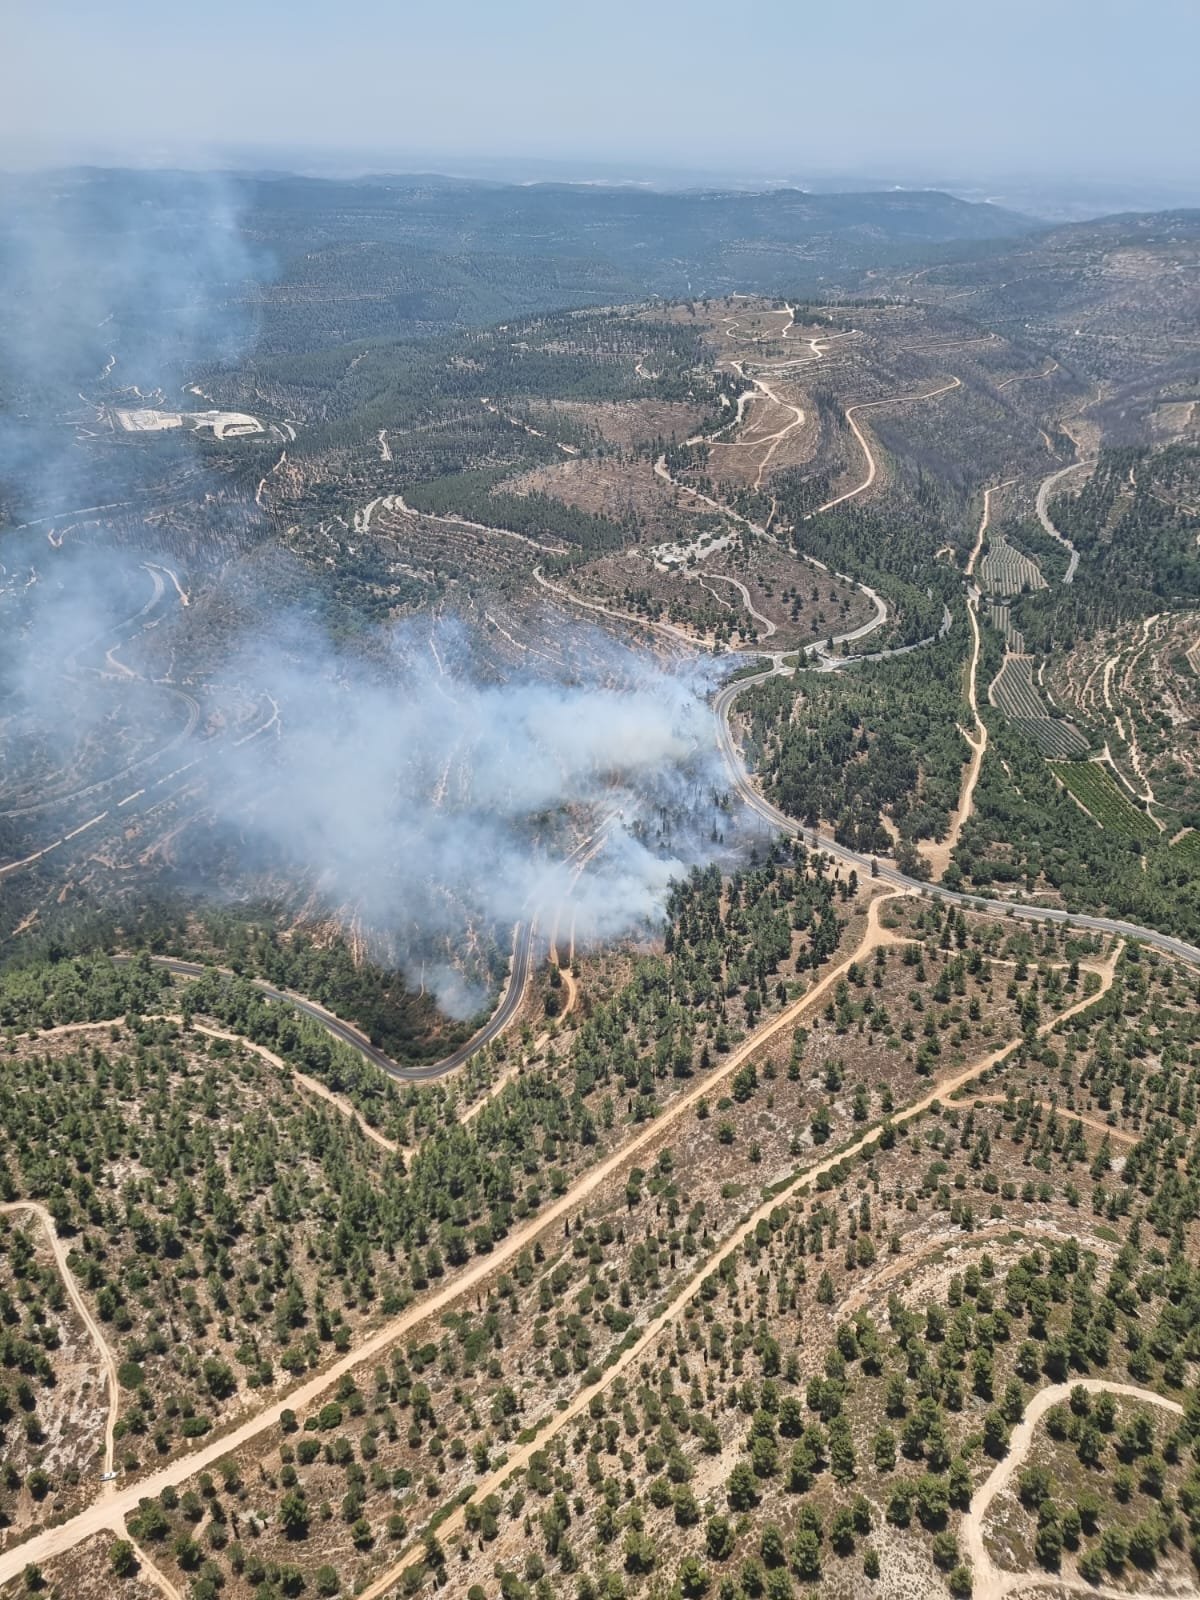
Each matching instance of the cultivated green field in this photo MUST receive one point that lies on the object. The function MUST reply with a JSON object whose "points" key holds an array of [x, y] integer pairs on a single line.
{"points": [[1094, 787], [1006, 570], [1014, 692]]}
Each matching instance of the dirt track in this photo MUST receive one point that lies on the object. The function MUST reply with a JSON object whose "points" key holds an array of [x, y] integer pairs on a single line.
{"points": [[123, 1501], [107, 1359], [149, 1570], [1043, 512], [539, 1044], [872, 466], [866, 1292], [679, 635], [881, 612], [774, 440], [111, 1512], [991, 1582], [938, 853], [873, 936], [768, 626], [1121, 1135], [309, 1085]]}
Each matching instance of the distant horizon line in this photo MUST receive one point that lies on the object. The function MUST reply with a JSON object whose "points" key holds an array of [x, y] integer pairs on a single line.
{"points": [[594, 168], [1040, 199]]}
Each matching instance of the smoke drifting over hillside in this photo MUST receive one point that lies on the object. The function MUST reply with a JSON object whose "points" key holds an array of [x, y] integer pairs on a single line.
{"points": [[429, 802], [115, 278], [402, 786]]}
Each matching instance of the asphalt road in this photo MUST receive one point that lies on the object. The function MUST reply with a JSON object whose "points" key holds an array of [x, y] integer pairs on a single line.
{"points": [[522, 962], [881, 870], [1043, 497], [510, 1003]]}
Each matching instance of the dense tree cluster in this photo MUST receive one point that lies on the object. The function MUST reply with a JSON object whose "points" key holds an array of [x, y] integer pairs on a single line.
{"points": [[730, 950], [1132, 530], [843, 747], [473, 495], [893, 551]]}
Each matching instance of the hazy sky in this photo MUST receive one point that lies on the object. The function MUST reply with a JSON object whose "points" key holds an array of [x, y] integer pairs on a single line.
{"points": [[942, 87]]}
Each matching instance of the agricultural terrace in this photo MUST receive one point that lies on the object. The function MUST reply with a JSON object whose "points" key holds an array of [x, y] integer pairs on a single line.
{"points": [[1012, 691], [1004, 570], [1098, 792], [1141, 683]]}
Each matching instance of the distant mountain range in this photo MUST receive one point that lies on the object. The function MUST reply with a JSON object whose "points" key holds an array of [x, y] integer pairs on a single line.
{"points": [[322, 262]]}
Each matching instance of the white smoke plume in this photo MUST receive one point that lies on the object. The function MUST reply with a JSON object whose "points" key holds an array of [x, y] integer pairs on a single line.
{"points": [[430, 802]]}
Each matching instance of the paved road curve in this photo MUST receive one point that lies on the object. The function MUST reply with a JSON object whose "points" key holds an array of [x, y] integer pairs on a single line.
{"points": [[522, 962], [514, 993], [723, 705], [1043, 512]]}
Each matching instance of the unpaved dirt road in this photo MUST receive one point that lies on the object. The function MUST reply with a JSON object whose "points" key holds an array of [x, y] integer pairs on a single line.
{"points": [[872, 466], [1043, 514], [991, 1582], [874, 936], [307, 1084], [938, 852], [149, 1570], [818, 647], [107, 1359], [768, 442], [123, 1500], [768, 627], [643, 623], [1029, 377], [1121, 1135]]}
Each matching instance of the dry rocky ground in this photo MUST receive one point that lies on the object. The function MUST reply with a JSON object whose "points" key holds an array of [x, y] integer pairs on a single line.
{"points": [[393, 1442]]}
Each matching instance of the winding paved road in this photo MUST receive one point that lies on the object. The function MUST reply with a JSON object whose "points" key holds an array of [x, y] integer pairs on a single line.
{"points": [[1043, 496], [758, 803], [347, 1033]]}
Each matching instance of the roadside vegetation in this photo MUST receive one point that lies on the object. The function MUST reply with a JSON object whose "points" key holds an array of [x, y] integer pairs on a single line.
{"points": [[853, 747], [833, 1241]]}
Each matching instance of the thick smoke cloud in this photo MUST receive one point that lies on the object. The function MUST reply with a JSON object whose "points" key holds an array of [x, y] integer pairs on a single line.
{"points": [[404, 789], [428, 801]]}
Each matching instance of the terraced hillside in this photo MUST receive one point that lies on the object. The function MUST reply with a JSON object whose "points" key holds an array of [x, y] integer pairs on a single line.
{"points": [[1014, 692], [681, 1080]]}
